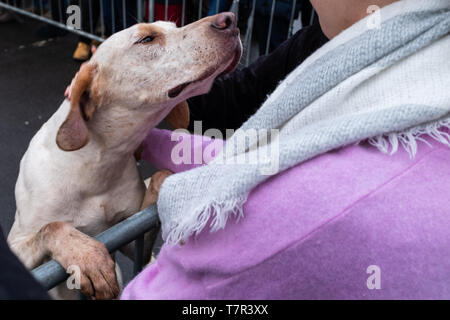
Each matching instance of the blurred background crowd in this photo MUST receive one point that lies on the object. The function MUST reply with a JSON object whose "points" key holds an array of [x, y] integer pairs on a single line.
{"points": [[105, 17]]}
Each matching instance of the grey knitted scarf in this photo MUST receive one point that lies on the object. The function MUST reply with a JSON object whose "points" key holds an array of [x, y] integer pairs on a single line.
{"points": [[388, 84]]}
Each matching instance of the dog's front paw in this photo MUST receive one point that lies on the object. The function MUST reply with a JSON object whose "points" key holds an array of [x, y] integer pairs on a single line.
{"points": [[91, 259], [151, 195]]}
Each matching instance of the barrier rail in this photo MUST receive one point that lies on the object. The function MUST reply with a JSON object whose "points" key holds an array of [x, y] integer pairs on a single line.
{"points": [[102, 17]]}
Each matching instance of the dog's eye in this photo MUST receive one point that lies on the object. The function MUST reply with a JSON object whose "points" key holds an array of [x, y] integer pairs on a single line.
{"points": [[147, 39]]}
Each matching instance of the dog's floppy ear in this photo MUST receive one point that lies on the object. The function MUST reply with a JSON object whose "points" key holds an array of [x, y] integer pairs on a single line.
{"points": [[178, 118], [73, 133]]}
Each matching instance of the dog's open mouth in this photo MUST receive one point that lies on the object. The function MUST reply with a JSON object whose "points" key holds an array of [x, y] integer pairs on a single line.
{"points": [[175, 92]]}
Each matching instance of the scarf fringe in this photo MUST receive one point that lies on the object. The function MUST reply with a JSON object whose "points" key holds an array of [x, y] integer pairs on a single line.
{"points": [[217, 213], [389, 143]]}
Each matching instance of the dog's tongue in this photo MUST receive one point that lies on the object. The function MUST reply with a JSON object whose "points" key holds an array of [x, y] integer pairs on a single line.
{"points": [[173, 93]]}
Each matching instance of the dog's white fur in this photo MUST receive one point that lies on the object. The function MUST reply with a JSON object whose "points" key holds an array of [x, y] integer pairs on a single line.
{"points": [[89, 189]]}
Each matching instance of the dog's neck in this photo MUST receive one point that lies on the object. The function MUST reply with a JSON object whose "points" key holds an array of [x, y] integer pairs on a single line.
{"points": [[122, 131], [118, 132]]}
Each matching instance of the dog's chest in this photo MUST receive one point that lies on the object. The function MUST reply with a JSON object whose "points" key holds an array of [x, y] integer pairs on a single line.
{"points": [[91, 197], [100, 212]]}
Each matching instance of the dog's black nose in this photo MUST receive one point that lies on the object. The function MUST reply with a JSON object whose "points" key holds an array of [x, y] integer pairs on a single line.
{"points": [[224, 21]]}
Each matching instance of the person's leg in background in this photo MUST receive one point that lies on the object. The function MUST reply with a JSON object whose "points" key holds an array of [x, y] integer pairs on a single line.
{"points": [[216, 6], [105, 15], [90, 14], [130, 14], [58, 10], [110, 16], [7, 16], [113, 15], [262, 22], [245, 9], [58, 13], [280, 24]]}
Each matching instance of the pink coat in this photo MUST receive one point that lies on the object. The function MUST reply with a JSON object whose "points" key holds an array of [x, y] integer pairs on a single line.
{"points": [[353, 223]]}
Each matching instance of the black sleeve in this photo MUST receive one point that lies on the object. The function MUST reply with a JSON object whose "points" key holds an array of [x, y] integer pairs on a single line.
{"points": [[16, 282], [233, 98]]}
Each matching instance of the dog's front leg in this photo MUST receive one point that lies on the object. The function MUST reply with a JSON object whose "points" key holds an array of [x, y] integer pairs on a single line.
{"points": [[151, 196], [70, 247]]}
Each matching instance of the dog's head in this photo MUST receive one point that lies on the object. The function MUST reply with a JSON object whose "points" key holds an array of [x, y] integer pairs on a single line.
{"points": [[148, 69]]}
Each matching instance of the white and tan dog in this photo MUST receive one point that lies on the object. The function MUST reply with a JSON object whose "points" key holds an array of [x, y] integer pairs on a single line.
{"points": [[78, 176]]}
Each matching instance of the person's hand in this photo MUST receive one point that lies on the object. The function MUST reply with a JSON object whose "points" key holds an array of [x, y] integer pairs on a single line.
{"points": [[68, 92]]}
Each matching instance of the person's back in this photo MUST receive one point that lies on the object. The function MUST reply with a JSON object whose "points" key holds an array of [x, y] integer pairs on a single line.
{"points": [[318, 230]]}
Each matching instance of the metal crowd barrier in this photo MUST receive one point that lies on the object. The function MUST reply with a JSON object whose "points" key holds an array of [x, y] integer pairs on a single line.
{"points": [[145, 12], [51, 274]]}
